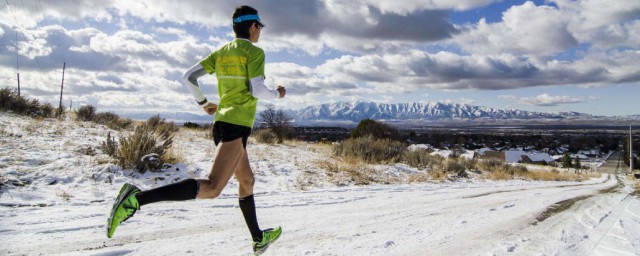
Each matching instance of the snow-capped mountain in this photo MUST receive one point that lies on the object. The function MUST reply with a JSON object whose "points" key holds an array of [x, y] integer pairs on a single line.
{"points": [[348, 114], [355, 112]]}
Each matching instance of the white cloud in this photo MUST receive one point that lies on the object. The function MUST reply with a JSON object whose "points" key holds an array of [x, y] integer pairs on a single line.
{"points": [[404, 7], [526, 29], [145, 45], [544, 100]]}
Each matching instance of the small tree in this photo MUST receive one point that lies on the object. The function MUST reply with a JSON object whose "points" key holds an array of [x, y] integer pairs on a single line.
{"points": [[566, 161], [277, 122], [577, 164]]}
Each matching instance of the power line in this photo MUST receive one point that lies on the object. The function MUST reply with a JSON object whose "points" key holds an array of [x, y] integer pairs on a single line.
{"points": [[39, 6], [12, 13]]}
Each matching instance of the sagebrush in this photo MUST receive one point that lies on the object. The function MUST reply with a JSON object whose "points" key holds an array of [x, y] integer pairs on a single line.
{"points": [[155, 136]]}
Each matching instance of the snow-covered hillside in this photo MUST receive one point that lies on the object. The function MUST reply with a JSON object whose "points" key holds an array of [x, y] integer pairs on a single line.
{"points": [[58, 188]]}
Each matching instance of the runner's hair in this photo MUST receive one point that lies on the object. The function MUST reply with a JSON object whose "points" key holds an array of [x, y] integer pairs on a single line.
{"points": [[241, 29]]}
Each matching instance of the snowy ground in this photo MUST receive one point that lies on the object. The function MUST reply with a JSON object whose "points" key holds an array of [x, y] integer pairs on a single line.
{"points": [[56, 196]]}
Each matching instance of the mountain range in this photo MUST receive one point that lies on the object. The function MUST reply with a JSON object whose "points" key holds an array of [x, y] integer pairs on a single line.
{"points": [[357, 111], [344, 113]]}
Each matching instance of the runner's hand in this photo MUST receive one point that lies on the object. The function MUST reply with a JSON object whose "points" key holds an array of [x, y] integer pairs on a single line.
{"points": [[282, 91], [210, 108]]}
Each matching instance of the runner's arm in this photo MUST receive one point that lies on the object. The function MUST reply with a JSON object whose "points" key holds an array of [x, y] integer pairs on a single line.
{"points": [[190, 80], [259, 90]]}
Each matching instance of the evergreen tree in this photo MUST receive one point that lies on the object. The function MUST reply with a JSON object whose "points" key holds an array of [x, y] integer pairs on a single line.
{"points": [[566, 161], [577, 165]]}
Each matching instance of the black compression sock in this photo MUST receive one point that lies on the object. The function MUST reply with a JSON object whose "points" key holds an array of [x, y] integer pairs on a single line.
{"points": [[179, 191], [248, 207]]}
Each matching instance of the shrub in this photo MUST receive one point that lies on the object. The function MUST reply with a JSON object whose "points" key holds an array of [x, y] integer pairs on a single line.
{"points": [[265, 136], [86, 113], [61, 112], [454, 166], [6, 96], [10, 101], [420, 158], [152, 138], [371, 150], [369, 127], [191, 125], [105, 118], [110, 146], [112, 121], [46, 110]]}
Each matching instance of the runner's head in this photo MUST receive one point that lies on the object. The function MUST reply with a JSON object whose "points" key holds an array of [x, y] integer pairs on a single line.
{"points": [[246, 19]]}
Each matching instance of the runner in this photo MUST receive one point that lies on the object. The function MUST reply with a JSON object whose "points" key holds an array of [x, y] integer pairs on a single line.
{"points": [[239, 68]]}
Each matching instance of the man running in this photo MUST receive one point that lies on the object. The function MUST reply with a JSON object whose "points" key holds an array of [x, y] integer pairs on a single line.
{"points": [[239, 68]]}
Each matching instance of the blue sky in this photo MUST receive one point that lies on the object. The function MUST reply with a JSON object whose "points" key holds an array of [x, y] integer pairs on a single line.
{"points": [[548, 56]]}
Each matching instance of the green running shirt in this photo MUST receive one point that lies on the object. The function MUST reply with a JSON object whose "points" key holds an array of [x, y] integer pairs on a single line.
{"points": [[235, 64]]}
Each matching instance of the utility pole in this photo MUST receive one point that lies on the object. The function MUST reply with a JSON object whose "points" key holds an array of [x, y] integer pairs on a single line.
{"points": [[64, 65], [17, 62], [18, 83], [630, 151]]}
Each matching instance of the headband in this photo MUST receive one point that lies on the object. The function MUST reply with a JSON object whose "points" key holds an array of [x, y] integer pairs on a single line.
{"points": [[246, 18]]}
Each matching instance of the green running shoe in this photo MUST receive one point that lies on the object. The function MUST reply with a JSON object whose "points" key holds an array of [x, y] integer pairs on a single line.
{"points": [[269, 236], [124, 207]]}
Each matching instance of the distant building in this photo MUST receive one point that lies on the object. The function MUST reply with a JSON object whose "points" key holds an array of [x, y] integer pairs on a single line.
{"points": [[517, 156]]}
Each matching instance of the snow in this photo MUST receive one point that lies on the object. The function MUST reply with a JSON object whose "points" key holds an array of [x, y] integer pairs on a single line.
{"points": [[57, 194]]}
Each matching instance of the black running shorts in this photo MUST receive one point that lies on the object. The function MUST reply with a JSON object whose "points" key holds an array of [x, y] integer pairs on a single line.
{"points": [[225, 132]]}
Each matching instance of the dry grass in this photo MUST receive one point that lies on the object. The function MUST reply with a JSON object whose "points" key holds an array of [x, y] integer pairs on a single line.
{"points": [[420, 158], [351, 171], [64, 195], [636, 184], [371, 150], [438, 175], [420, 177], [33, 127], [498, 175], [174, 155], [507, 172]]}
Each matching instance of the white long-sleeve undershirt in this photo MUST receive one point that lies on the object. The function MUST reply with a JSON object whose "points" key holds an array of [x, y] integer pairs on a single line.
{"points": [[259, 90], [190, 80], [256, 85]]}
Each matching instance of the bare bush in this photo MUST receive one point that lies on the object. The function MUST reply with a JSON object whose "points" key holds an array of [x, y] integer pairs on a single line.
{"points": [[276, 122]]}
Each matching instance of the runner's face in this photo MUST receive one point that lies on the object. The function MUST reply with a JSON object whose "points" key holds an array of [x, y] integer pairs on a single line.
{"points": [[255, 32]]}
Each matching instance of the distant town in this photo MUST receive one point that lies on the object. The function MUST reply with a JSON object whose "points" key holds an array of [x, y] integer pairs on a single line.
{"points": [[510, 145]]}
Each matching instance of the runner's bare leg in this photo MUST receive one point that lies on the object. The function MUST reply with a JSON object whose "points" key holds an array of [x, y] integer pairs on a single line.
{"points": [[228, 156]]}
